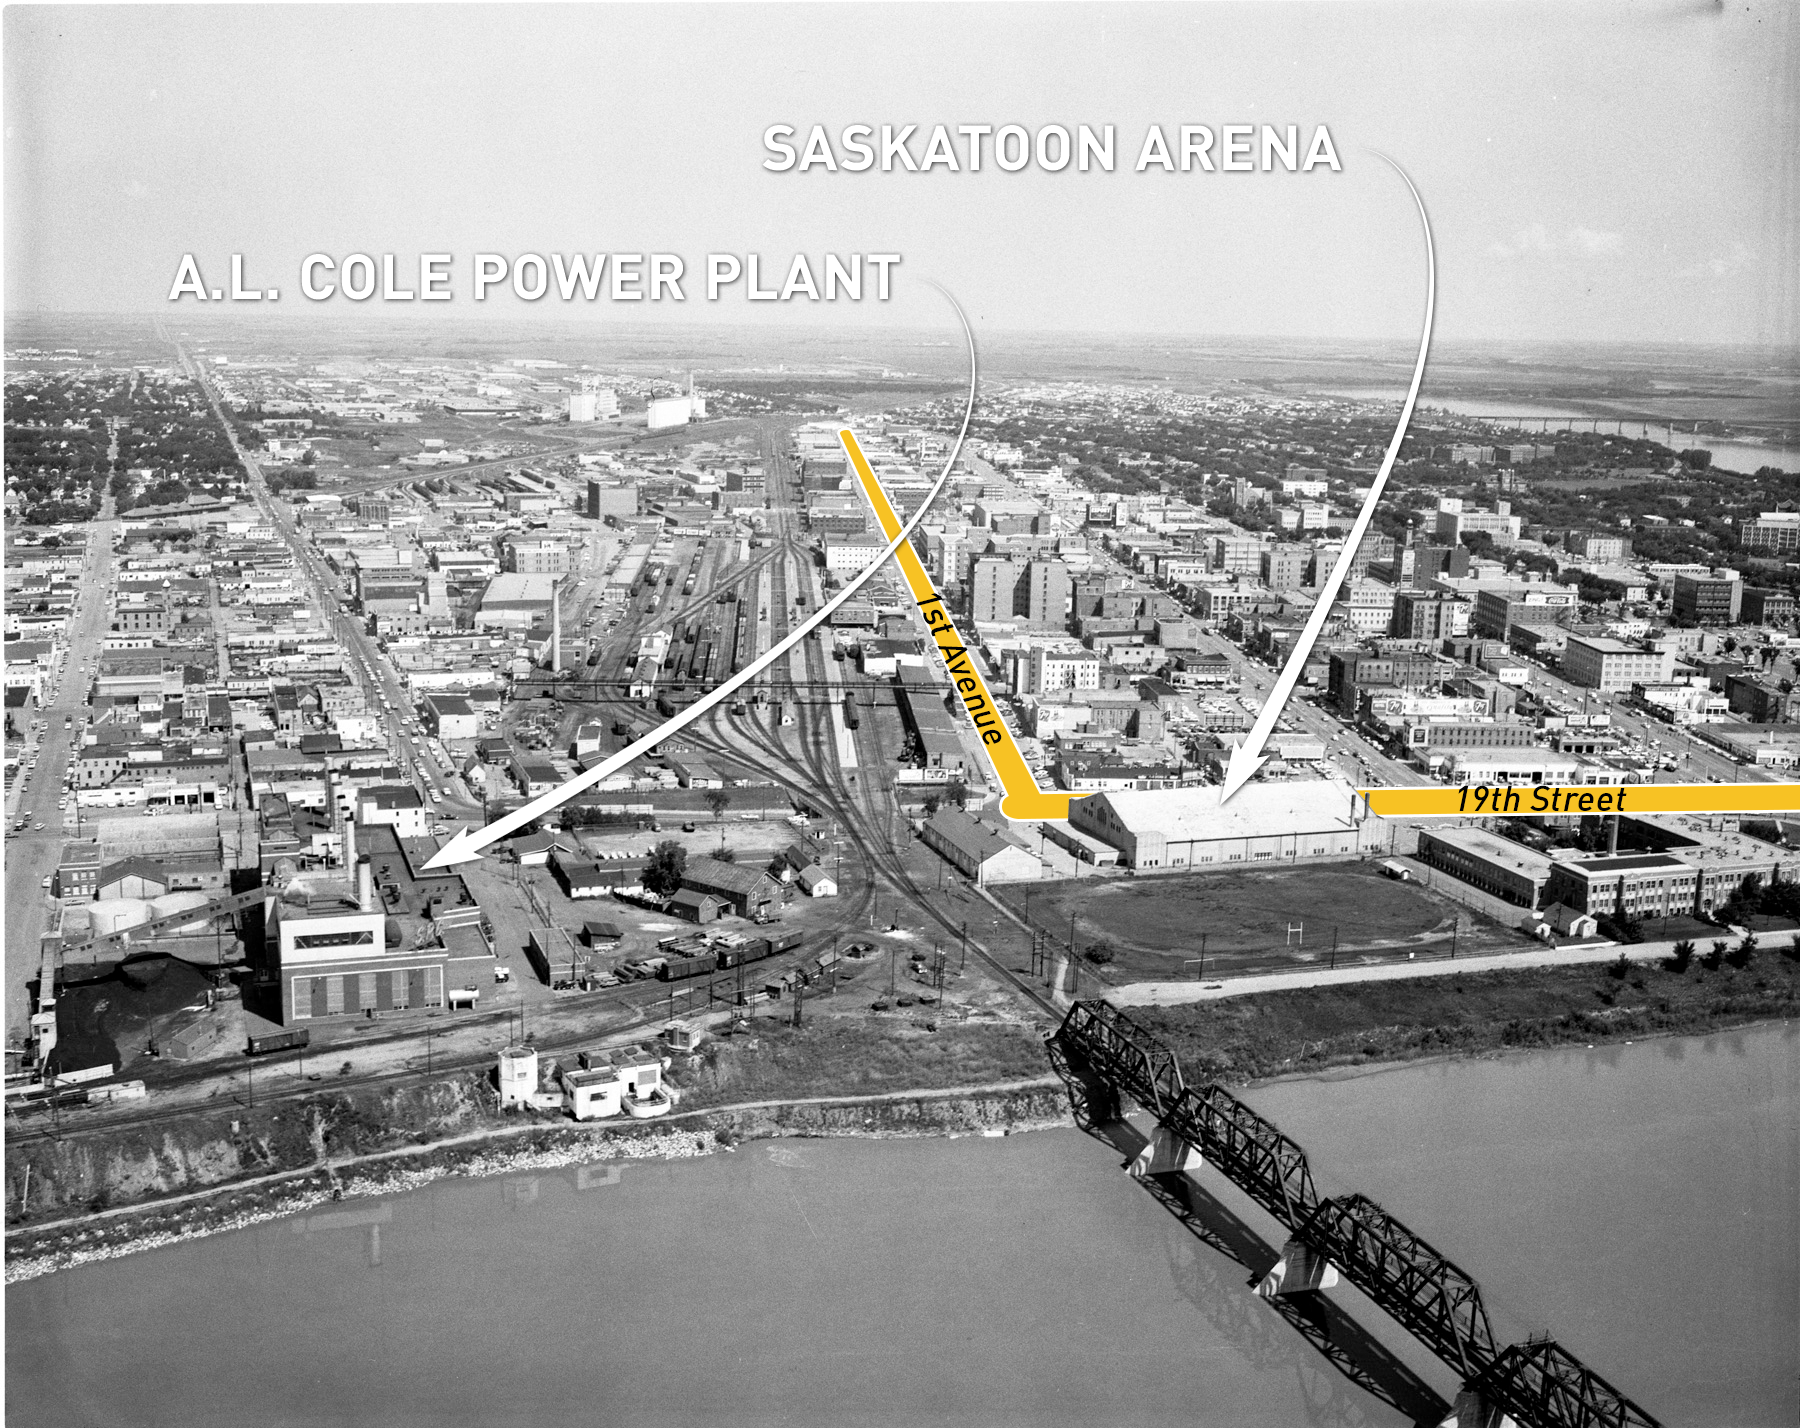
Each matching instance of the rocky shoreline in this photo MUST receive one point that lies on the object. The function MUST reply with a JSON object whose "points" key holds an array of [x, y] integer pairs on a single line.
{"points": [[34, 1252]]}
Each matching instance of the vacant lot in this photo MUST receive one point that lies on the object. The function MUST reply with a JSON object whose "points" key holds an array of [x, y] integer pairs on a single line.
{"points": [[1153, 924], [1242, 1039]]}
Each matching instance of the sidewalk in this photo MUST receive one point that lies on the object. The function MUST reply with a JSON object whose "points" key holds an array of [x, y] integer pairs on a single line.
{"points": [[1163, 994]]}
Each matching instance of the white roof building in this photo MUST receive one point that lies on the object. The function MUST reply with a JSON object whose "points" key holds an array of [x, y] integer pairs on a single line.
{"points": [[1277, 823]]}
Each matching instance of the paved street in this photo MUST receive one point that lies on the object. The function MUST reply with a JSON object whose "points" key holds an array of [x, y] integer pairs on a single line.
{"points": [[1163, 994], [405, 740], [32, 855]]}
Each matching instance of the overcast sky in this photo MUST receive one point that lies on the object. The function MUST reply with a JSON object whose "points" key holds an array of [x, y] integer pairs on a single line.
{"points": [[1598, 172]]}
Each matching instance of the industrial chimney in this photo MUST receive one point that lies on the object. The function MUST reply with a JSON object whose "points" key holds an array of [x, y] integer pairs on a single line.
{"points": [[555, 627], [349, 841], [365, 884]]}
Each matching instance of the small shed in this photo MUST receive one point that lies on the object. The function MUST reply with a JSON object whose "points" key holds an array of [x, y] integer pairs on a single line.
{"points": [[697, 906]]}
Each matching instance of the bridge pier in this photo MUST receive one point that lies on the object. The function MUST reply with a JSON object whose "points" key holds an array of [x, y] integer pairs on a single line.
{"points": [[1300, 1268], [1165, 1154], [1473, 1409]]}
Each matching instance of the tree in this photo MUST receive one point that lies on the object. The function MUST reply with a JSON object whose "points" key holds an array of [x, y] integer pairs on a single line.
{"points": [[662, 874], [1712, 959], [1100, 953], [932, 804], [1684, 954], [717, 801], [724, 854], [957, 792], [1744, 951]]}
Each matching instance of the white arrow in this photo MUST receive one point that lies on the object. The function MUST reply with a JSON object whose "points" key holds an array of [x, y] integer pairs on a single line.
{"points": [[467, 845], [1248, 756]]}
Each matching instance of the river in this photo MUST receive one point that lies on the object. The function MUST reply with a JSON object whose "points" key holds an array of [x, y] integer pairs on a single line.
{"points": [[1639, 1201], [1744, 457]]}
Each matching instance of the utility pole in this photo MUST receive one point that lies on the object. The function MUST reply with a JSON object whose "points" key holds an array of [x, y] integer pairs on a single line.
{"points": [[963, 960], [1334, 936]]}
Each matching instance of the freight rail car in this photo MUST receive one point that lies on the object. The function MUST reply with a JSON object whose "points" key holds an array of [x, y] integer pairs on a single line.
{"points": [[278, 1041], [680, 969]]}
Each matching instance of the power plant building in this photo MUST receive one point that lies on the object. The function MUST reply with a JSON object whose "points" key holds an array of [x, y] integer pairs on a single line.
{"points": [[338, 964]]}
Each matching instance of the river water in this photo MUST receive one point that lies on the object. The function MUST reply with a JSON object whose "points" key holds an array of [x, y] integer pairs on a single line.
{"points": [[1744, 457], [1639, 1201]]}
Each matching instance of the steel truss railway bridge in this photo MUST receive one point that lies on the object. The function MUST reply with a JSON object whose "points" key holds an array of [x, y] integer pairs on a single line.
{"points": [[1536, 1384]]}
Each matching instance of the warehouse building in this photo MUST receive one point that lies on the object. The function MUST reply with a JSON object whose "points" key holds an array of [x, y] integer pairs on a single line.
{"points": [[1166, 830], [747, 890], [979, 851]]}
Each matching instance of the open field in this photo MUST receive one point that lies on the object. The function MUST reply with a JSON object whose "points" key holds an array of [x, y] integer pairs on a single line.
{"points": [[1250, 1038], [1154, 924]]}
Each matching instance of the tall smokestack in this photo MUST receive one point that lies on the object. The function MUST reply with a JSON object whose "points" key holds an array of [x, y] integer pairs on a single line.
{"points": [[555, 627], [1612, 835], [349, 841], [365, 885]]}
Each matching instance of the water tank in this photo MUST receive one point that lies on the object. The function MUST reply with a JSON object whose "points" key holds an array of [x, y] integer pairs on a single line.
{"points": [[174, 902], [115, 914], [518, 1074]]}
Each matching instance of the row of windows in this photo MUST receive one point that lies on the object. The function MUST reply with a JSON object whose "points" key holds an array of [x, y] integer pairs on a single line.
{"points": [[351, 992]]}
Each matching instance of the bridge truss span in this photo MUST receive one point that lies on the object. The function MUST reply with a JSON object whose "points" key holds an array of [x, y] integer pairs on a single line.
{"points": [[1423, 1291], [1539, 1381], [1538, 1384]]}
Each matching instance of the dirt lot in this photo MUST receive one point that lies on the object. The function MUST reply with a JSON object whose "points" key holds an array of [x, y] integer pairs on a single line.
{"points": [[1153, 924]]}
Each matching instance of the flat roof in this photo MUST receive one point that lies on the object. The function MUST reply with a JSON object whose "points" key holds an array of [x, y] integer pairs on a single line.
{"points": [[1258, 810], [1492, 848], [1628, 862], [1605, 645]]}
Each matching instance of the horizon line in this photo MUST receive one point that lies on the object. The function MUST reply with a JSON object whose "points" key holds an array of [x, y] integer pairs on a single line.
{"points": [[410, 325]]}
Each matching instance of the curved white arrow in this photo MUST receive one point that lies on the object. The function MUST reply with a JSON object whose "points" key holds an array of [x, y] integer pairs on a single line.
{"points": [[1248, 756], [467, 845]]}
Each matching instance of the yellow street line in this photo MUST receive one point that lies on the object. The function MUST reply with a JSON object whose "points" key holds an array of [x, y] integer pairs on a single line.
{"points": [[1022, 798], [1499, 800]]}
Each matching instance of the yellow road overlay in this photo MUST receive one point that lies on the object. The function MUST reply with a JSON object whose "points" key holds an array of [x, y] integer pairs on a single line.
{"points": [[1022, 798], [1499, 800]]}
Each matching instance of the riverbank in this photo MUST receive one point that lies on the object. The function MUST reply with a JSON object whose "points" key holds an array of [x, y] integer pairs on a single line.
{"points": [[1305, 1031], [97, 1194], [525, 1146]]}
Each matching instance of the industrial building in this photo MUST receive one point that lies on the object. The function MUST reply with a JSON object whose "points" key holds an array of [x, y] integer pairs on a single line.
{"points": [[748, 891], [341, 963], [516, 602], [979, 851]]}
